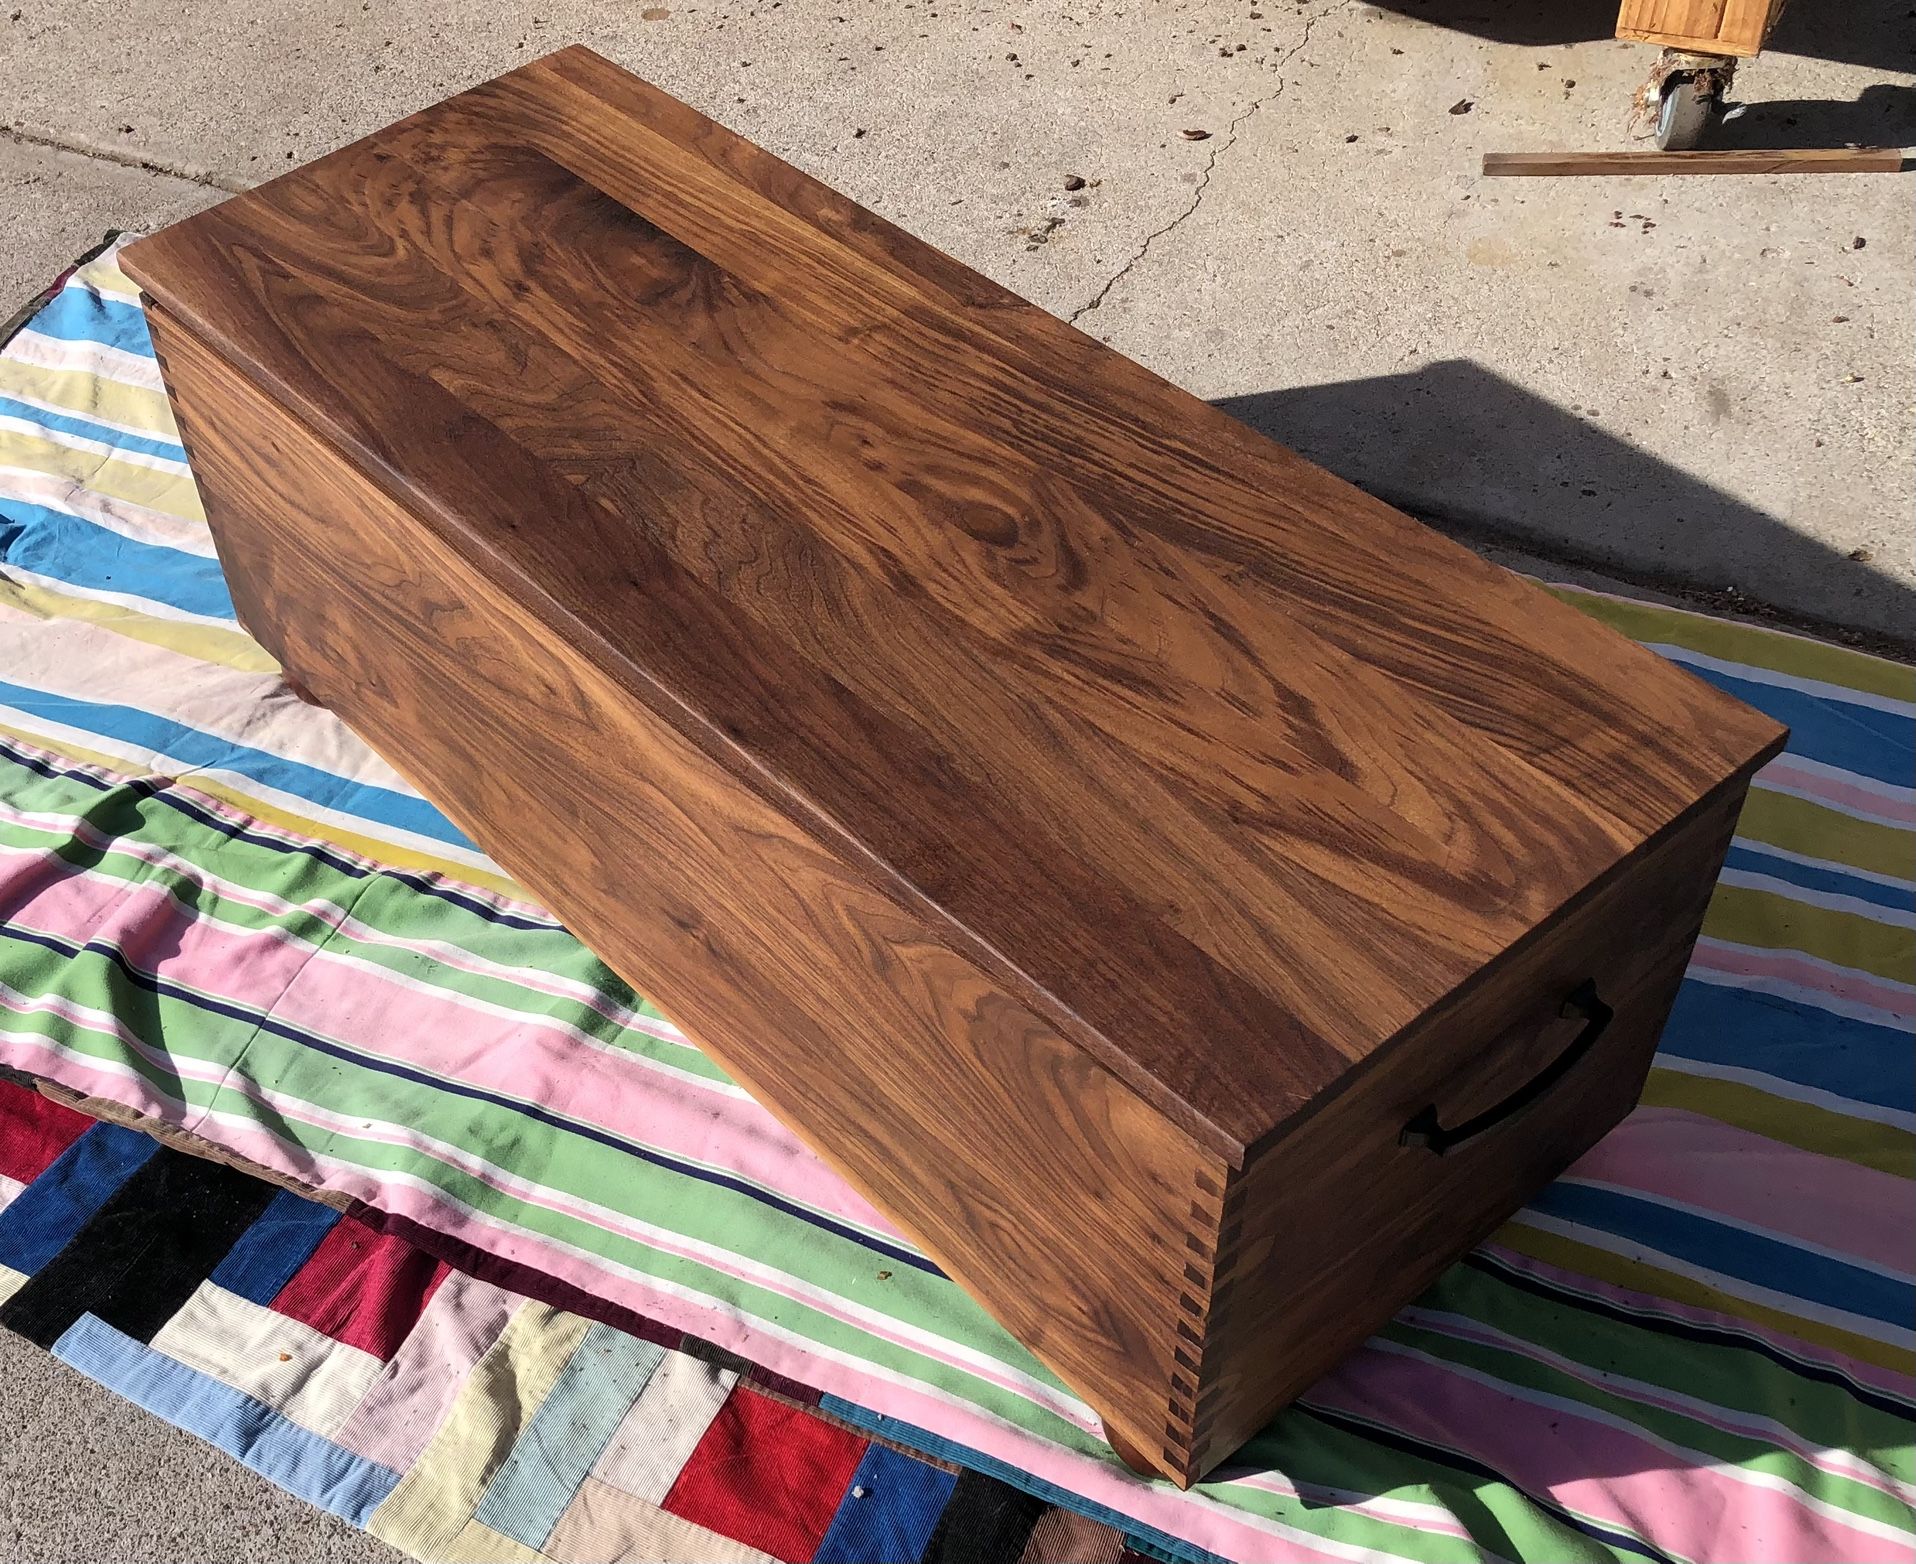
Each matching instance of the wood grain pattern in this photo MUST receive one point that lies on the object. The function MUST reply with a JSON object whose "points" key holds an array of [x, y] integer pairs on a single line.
{"points": [[878, 672], [1730, 27], [1780, 160], [826, 995], [1297, 1288]]}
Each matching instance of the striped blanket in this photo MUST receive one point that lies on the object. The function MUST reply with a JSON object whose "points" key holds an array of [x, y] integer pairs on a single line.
{"points": [[223, 913]]}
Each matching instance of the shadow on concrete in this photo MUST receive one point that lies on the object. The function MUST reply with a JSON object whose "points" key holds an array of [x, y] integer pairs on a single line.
{"points": [[1496, 466], [1538, 24], [1879, 34], [1873, 33], [1880, 116]]}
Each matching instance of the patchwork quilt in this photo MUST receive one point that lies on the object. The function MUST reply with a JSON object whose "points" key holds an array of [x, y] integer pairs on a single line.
{"points": [[221, 913], [454, 1418]]}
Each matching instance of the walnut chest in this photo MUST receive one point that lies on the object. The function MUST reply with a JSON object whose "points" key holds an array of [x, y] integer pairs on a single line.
{"points": [[1193, 899]]}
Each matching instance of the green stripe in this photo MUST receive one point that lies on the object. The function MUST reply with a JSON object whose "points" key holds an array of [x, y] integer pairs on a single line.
{"points": [[383, 903], [1800, 826], [1318, 1453], [1786, 1119], [1719, 1373], [1717, 1446], [1751, 645], [1653, 1281], [586, 1169], [183, 1030], [1770, 921], [1671, 1428], [93, 1044], [943, 1301]]}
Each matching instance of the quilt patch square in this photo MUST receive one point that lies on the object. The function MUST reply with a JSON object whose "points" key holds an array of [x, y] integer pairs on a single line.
{"points": [[769, 1474]]}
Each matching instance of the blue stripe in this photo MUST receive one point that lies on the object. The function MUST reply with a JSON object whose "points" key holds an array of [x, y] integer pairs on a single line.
{"points": [[1747, 1030], [196, 750], [1828, 878], [1875, 744], [1734, 1251], [87, 429], [279, 1242], [91, 557], [52, 1209], [267, 1022], [1827, 690], [159, 791], [305, 1465], [80, 315]]}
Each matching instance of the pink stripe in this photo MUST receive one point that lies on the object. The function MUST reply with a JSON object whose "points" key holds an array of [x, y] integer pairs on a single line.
{"points": [[254, 825], [1901, 1386], [1839, 1206], [329, 914], [407, 1403], [494, 1234], [1702, 1510], [34, 1056], [1837, 1463], [520, 1056], [1844, 795], [440, 951], [1788, 967]]}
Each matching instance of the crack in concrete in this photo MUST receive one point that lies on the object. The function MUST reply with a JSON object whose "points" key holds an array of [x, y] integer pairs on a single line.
{"points": [[103, 154], [1210, 164]]}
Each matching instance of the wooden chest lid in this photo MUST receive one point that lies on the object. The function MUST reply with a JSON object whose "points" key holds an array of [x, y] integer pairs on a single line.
{"points": [[1228, 770]]}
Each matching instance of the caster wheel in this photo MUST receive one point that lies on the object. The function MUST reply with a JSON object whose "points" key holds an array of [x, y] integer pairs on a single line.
{"points": [[1127, 1452], [1683, 114]]}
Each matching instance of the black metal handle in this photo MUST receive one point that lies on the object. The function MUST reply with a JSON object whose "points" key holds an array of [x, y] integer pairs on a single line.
{"points": [[1424, 1130]]}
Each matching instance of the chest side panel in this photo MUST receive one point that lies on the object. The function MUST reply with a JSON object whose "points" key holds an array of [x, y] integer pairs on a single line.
{"points": [[1335, 1227], [1044, 1186]]}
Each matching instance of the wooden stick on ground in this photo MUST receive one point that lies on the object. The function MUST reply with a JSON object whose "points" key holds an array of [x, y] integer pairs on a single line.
{"points": [[1800, 160]]}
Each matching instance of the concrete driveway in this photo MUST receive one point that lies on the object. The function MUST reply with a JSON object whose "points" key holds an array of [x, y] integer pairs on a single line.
{"points": [[1701, 384], [1695, 382]]}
